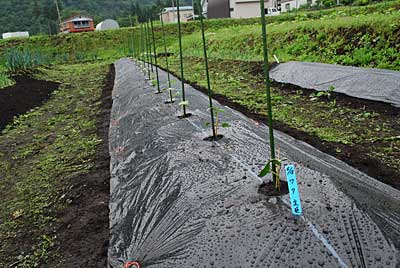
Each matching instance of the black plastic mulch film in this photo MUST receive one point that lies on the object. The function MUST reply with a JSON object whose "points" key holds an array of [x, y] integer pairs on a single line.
{"points": [[179, 201], [364, 83]]}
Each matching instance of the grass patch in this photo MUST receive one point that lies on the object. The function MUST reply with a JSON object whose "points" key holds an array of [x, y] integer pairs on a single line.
{"points": [[39, 153], [365, 41]]}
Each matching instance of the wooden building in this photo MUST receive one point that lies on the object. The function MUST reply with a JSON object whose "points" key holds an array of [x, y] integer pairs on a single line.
{"points": [[77, 24]]}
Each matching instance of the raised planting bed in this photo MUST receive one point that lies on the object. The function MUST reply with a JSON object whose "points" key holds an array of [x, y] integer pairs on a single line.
{"points": [[180, 201]]}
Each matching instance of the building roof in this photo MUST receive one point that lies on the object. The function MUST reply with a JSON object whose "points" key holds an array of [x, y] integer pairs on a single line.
{"points": [[174, 9], [77, 17], [107, 25]]}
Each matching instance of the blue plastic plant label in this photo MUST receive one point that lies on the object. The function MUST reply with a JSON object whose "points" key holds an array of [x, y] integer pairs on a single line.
{"points": [[293, 190]]}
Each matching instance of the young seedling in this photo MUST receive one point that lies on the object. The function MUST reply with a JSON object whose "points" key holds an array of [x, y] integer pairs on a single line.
{"points": [[216, 111], [273, 167], [184, 104], [213, 111], [327, 94], [170, 90]]}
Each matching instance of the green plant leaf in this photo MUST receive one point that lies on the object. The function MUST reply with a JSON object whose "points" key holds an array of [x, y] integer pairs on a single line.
{"points": [[266, 170], [225, 125], [184, 103]]}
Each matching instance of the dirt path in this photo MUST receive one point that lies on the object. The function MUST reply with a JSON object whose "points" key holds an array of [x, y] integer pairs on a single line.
{"points": [[84, 225]]}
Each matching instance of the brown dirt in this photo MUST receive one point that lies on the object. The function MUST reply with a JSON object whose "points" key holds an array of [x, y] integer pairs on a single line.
{"points": [[25, 95], [268, 189], [83, 232]]}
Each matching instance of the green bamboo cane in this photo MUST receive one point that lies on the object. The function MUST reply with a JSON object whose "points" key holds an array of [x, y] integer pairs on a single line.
{"points": [[142, 46], [166, 61], [268, 89], [155, 56], [147, 50], [133, 39], [150, 45], [181, 56], [207, 72]]}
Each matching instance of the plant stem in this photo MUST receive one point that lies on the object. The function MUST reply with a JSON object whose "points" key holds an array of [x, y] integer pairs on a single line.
{"points": [[214, 127], [181, 55], [268, 87], [155, 56]]}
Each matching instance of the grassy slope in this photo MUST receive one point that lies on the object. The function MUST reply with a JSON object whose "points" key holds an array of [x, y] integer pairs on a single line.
{"points": [[367, 41], [39, 155], [114, 44]]}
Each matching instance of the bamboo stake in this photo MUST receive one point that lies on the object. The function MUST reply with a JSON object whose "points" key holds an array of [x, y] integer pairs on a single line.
{"points": [[268, 89]]}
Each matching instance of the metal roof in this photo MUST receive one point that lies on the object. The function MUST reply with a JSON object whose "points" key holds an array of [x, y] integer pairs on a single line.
{"points": [[77, 17], [173, 9]]}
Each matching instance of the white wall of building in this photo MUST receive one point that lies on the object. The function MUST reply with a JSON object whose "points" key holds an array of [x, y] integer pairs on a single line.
{"points": [[171, 15], [15, 35], [294, 4], [248, 8]]}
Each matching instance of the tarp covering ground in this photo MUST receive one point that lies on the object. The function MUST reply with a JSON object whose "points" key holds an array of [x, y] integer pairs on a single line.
{"points": [[180, 201], [364, 83]]}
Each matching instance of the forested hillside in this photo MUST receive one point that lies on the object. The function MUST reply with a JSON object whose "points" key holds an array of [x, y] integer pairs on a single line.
{"points": [[40, 16]]}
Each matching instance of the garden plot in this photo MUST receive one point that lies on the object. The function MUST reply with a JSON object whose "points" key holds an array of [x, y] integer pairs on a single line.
{"points": [[179, 201], [370, 84], [18, 99]]}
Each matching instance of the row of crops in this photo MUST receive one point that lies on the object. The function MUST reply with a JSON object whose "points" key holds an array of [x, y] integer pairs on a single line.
{"points": [[147, 53]]}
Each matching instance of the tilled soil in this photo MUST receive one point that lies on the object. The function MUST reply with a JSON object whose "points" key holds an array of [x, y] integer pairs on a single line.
{"points": [[25, 95], [84, 226]]}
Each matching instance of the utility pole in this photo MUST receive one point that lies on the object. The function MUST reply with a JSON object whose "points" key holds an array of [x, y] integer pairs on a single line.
{"points": [[59, 15]]}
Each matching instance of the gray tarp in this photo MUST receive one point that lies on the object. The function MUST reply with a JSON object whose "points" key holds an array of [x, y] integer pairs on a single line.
{"points": [[179, 201], [371, 84]]}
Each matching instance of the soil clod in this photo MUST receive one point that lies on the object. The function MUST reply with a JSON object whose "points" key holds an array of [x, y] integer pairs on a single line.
{"points": [[268, 189]]}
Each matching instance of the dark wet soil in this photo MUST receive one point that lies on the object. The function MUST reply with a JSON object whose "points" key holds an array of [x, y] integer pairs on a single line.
{"points": [[212, 138], [269, 189], [83, 232], [25, 95], [187, 115]]}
